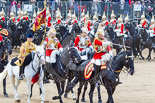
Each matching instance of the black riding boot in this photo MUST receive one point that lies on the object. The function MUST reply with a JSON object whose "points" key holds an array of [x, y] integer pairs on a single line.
{"points": [[21, 72], [97, 70]]}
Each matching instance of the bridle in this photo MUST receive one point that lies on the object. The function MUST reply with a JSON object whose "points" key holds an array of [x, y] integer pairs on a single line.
{"points": [[33, 54]]}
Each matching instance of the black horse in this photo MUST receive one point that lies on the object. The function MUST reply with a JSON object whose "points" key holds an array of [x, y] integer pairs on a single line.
{"points": [[58, 70], [5, 50], [110, 76], [3, 24], [121, 42], [21, 29], [135, 35], [145, 42]]}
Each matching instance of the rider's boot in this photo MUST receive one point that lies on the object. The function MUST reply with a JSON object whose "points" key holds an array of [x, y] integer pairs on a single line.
{"points": [[21, 72]]}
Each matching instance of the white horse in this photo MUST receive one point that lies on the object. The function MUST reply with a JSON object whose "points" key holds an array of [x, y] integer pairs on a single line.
{"points": [[38, 59]]}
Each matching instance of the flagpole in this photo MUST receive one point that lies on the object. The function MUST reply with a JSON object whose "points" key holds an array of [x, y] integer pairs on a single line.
{"points": [[45, 29]]}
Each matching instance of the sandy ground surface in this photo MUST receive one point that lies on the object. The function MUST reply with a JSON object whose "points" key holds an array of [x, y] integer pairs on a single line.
{"points": [[139, 88]]}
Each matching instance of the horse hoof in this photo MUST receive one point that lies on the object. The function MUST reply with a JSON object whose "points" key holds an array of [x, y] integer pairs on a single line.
{"points": [[55, 97], [77, 101], [149, 58], [83, 100], [140, 58], [100, 101], [6, 95], [17, 101], [65, 96], [74, 98]]}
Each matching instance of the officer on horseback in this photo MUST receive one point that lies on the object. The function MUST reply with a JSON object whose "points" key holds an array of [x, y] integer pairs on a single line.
{"points": [[113, 20], [26, 48], [152, 28], [48, 18], [103, 51], [53, 46], [104, 20], [82, 43], [120, 27], [12, 17]]}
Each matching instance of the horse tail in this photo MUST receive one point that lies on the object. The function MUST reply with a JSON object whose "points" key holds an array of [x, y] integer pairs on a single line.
{"points": [[4, 73]]}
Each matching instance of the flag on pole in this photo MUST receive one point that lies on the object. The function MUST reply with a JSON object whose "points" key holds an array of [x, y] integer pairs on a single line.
{"points": [[40, 19]]}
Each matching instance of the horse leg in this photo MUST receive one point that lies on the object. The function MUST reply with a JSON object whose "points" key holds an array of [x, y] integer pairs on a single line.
{"points": [[140, 53], [99, 94], [109, 91], [42, 91], [83, 95], [59, 92], [149, 56], [92, 87], [79, 92], [29, 91], [4, 87], [16, 97], [154, 53]]}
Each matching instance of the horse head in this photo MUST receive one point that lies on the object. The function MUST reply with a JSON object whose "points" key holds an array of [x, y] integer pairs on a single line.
{"points": [[74, 53], [123, 59], [127, 25], [6, 45], [11, 25], [40, 53]]}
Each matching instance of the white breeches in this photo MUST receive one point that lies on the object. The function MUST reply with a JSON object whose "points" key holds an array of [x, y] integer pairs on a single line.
{"points": [[52, 58]]}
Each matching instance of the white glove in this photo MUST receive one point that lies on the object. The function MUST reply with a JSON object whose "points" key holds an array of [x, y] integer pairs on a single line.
{"points": [[61, 50], [106, 43]]}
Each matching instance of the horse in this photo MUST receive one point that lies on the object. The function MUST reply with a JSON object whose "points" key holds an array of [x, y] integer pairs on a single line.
{"points": [[145, 42], [21, 29], [136, 37], [33, 73], [58, 70], [5, 50], [123, 41], [109, 77], [70, 35], [3, 24], [38, 35]]}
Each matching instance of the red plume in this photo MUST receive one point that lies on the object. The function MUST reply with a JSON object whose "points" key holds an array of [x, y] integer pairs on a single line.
{"points": [[1, 38], [75, 21], [122, 27], [27, 18], [3, 19], [59, 21], [106, 23], [49, 18]]}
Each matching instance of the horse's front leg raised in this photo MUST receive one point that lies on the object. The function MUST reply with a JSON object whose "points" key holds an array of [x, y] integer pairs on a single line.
{"points": [[42, 95]]}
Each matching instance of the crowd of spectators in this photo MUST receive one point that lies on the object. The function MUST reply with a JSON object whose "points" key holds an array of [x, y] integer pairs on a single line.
{"points": [[93, 6]]}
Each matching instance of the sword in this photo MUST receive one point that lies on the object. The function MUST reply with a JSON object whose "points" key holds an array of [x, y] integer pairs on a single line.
{"points": [[121, 45]]}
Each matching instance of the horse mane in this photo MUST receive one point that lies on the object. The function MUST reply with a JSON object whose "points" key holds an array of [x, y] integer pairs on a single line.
{"points": [[118, 58]]}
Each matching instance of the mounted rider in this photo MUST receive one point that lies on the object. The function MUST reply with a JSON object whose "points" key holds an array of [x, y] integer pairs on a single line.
{"points": [[152, 27], [69, 18], [104, 20], [25, 17], [53, 46], [2, 15], [143, 22], [82, 20], [120, 27], [103, 51], [58, 17], [82, 43], [12, 17], [34, 16], [113, 20], [18, 16], [26, 48]]}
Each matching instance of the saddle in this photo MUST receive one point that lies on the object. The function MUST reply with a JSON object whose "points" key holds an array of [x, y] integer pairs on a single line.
{"points": [[26, 62]]}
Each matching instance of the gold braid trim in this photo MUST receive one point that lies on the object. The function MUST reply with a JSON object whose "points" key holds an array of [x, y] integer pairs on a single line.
{"points": [[96, 46]]}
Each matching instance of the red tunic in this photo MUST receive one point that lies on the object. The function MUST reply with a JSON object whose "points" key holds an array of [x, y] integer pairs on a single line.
{"points": [[1, 38], [99, 55], [77, 41], [48, 50]]}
